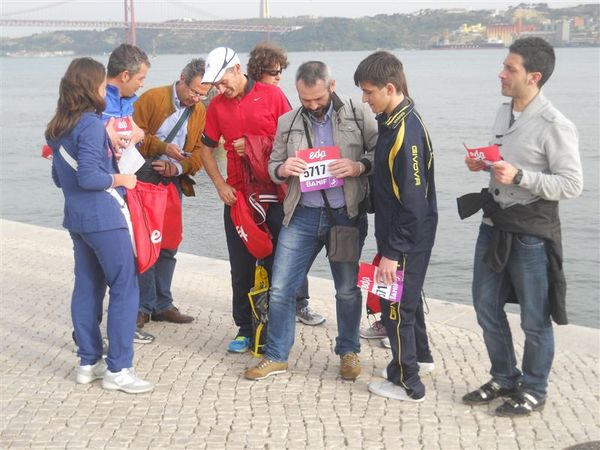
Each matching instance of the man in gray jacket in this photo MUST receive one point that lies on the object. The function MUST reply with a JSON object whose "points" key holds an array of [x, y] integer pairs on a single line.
{"points": [[518, 247], [324, 121]]}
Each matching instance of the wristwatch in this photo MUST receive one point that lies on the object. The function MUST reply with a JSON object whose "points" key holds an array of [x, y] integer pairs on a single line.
{"points": [[518, 176]]}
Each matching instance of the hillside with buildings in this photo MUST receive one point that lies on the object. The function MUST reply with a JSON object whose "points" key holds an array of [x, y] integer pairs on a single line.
{"points": [[427, 28]]}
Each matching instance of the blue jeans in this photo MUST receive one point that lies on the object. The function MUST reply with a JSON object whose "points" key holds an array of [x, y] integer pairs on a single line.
{"points": [[298, 245], [527, 272]]}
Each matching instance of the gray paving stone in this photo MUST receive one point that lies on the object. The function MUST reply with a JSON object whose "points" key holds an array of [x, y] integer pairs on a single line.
{"points": [[202, 401]]}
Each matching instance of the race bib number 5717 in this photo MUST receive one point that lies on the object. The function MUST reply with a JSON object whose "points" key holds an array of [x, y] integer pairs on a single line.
{"points": [[317, 175]]}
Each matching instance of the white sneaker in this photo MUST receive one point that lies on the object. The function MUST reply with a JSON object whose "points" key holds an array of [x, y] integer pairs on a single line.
{"points": [[424, 367], [127, 381], [87, 374], [390, 390]]}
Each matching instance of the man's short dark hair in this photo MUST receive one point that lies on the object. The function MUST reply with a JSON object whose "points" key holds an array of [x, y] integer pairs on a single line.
{"points": [[126, 58], [538, 56], [381, 68], [195, 68], [311, 72]]}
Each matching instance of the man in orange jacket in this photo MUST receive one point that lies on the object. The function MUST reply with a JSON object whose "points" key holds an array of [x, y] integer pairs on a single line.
{"points": [[173, 118]]}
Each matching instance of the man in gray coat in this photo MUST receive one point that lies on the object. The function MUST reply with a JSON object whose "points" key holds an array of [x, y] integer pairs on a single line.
{"points": [[519, 248], [324, 122]]}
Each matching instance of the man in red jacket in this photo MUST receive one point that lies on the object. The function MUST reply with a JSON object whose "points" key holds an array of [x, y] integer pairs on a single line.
{"points": [[244, 110]]}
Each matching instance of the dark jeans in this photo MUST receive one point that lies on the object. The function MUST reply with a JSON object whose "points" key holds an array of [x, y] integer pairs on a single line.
{"points": [[155, 284], [405, 326], [527, 272]]}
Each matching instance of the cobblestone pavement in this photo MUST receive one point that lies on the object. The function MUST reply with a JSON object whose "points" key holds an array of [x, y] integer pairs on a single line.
{"points": [[202, 401]]}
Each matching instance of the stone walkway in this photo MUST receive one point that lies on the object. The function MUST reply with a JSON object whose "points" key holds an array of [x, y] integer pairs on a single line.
{"points": [[202, 401]]}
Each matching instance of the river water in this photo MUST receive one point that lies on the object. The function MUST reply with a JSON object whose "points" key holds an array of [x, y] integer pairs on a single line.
{"points": [[457, 94]]}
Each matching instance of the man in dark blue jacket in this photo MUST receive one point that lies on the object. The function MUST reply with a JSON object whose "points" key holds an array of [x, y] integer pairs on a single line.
{"points": [[405, 219]]}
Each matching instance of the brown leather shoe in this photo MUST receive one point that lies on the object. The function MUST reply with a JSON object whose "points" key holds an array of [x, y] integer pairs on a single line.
{"points": [[171, 315], [142, 318]]}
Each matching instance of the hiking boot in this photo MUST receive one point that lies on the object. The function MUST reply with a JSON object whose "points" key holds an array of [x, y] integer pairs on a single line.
{"points": [[390, 390], [519, 405], [375, 331], [308, 317], [87, 374], [264, 369], [350, 366], [240, 344], [142, 337], [127, 381], [486, 393]]}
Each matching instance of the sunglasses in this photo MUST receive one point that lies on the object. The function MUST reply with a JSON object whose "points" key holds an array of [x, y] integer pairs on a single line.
{"points": [[273, 72]]}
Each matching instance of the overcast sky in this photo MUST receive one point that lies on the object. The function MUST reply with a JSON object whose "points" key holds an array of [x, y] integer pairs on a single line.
{"points": [[153, 10]]}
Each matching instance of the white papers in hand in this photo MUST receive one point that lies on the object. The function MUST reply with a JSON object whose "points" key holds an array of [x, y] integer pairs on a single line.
{"points": [[131, 160]]}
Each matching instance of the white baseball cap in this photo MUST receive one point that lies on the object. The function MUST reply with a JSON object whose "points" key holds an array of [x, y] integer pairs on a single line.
{"points": [[217, 62]]}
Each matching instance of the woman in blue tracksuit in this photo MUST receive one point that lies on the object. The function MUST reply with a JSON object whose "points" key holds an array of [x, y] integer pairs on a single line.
{"points": [[85, 168]]}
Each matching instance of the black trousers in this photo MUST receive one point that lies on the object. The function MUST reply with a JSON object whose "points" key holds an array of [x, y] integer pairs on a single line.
{"points": [[243, 265], [405, 326]]}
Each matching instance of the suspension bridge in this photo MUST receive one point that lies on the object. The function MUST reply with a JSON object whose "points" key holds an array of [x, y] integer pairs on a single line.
{"points": [[130, 25]]}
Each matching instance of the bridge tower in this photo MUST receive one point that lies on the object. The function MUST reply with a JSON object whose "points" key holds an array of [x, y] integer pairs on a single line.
{"points": [[264, 9], [129, 19]]}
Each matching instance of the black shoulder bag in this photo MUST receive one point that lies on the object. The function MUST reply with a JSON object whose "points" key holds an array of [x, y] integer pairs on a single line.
{"points": [[146, 172]]}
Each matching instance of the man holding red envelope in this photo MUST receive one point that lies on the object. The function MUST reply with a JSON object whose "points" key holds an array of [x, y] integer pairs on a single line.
{"points": [[518, 251]]}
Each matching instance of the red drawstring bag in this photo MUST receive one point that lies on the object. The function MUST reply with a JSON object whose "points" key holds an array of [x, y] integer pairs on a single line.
{"points": [[373, 305], [147, 203], [173, 223], [256, 239]]}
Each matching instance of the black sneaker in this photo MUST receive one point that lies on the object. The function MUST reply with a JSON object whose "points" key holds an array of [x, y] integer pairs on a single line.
{"points": [[520, 404], [486, 393]]}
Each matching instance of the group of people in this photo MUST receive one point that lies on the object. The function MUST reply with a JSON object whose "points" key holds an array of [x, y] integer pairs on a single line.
{"points": [[384, 164]]}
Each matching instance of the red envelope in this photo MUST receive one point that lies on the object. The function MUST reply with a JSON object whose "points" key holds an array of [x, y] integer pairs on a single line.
{"points": [[489, 155], [47, 152]]}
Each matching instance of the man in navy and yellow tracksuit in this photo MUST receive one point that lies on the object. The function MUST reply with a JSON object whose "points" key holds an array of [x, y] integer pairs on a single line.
{"points": [[405, 219]]}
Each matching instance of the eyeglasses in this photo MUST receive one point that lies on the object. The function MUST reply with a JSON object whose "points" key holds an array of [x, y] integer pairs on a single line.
{"points": [[194, 93], [273, 72]]}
